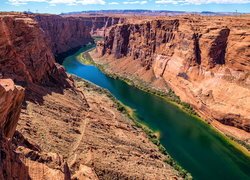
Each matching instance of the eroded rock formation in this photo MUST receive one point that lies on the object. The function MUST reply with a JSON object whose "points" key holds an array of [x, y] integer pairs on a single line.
{"points": [[60, 133], [205, 60], [11, 98], [64, 33], [98, 24], [25, 55]]}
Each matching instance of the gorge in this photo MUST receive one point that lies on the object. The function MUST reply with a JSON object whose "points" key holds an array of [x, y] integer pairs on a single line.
{"points": [[190, 141], [72, 129]]}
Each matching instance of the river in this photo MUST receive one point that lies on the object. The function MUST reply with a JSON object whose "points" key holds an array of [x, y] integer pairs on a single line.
{"points": [[197, 147]]}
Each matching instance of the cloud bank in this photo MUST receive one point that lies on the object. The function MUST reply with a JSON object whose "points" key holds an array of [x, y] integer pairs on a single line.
{"points": [[54, 2], [198, 2]]}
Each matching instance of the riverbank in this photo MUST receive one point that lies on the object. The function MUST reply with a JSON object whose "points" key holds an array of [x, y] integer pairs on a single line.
{"points": [[189, 141], [171, 97], [129, 113], [92, 135]]}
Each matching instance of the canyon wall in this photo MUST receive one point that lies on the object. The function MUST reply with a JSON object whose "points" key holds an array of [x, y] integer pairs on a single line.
{"points": [[27, 60], [66, 128], [11, 98], [205, 60], [98, 24], [64, 33], [28, 44], [19, 159], [25, 56]]}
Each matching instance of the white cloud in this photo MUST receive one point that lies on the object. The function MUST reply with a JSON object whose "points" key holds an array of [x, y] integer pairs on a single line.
{"points": [[54, 2], [135, 2], [18, 2], [113, 3], [197, 2]]}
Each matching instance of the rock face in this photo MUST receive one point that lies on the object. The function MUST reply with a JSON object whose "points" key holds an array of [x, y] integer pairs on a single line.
{"points": [[11, 98], [94, 137], [26, 59], [98, 24], [25, 55], [64, 33], [28, 162], [63, 122], [206, 61]]}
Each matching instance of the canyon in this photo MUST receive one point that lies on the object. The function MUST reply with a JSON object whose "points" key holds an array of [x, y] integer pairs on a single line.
{"points": [[204, 60], [98, 24], [56, 126]]}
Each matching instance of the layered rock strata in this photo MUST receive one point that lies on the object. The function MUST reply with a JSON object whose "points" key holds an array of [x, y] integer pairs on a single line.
{"points": [[93, 136], [98, 25], [25, 55], [205, 60], [11, 98], [64, 33], [65, 130]]}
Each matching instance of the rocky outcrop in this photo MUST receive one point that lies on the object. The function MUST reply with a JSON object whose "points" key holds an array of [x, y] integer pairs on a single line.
{"points": [[11, 98], [11, 166], [26, 59], [27, 161], [64, 33], [60, 121], [25, 55], [93, 135], [204, 60]]}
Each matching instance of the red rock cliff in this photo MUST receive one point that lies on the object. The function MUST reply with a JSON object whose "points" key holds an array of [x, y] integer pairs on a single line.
{"points": [[28, 44], [98, 25], [11, 98], [27, 59], [205, 60], [64, 33], [24, 53]]}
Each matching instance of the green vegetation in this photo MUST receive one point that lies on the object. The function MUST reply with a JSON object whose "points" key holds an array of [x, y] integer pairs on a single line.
{"points": [[169, 160], [130, 114], [169, 96], [242, 143]]}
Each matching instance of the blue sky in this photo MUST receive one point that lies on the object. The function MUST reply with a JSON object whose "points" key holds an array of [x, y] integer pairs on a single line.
{"points": [[58, 6]]}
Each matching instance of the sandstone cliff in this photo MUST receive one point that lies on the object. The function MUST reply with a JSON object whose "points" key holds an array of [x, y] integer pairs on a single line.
{"points": [[26, 58], [61, 122], [11, 98], [24, 53], [64, 33], [205, 60], [99, 24]]}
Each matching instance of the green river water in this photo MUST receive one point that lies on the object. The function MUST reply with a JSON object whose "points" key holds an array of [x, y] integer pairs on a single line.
{"points": [[197, 147]]}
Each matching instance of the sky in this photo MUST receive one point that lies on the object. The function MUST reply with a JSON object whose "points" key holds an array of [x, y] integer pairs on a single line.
{"points": [[62, 6]]}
